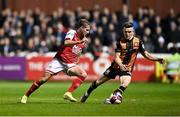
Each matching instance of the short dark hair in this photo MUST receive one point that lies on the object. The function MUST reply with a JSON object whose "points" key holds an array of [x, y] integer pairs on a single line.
{"points": [[82, 22], [127, 25]]}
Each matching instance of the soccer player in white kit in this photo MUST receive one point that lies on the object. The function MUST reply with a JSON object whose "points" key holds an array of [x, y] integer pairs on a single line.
{"points": [[66, 60]]}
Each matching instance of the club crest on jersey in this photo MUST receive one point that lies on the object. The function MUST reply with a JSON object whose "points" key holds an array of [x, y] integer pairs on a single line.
{"points": [[76, 49]]}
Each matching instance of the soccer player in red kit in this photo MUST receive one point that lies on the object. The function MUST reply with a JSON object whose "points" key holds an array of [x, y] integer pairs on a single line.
{"points": [[66, 59]]}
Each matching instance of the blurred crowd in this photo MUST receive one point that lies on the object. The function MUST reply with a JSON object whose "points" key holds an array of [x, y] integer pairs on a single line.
{"points": [[31, 31]]}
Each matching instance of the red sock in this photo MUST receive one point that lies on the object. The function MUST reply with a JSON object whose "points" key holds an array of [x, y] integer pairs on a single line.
{"points": [[34, 86], [76, 83]]}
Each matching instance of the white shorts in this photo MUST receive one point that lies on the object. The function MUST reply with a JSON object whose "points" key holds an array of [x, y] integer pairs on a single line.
{"points": [[56, 66]]}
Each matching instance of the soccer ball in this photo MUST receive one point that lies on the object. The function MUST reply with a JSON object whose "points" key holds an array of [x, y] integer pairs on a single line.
{"points": [[116, 98]]}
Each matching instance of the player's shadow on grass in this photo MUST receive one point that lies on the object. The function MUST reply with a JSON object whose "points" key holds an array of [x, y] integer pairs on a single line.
{"points": [[45, 102], [65, 102], [36, 102], [59, 103]]}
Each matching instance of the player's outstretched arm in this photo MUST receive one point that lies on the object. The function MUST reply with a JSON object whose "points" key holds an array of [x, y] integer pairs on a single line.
{"points": [[71, 42], [148, 56]]}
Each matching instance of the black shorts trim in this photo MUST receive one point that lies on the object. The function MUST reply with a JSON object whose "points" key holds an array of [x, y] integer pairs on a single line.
{"points": [[112, 73]]}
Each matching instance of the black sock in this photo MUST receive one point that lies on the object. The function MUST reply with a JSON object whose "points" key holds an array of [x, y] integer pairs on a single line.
{"points": [[92, 87], [120, 89]]}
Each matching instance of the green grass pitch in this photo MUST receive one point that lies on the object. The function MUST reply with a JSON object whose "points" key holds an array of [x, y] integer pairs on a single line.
{"points": [[140, 99]]}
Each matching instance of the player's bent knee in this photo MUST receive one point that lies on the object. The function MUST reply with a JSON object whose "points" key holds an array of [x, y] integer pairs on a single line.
{"points": [[125, 84], [98, 82], [44, 80], [84, 75], [46, 77], [125, 81]]}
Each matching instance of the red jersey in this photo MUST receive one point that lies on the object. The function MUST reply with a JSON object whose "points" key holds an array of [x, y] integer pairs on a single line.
{"points": [[70, 54]]}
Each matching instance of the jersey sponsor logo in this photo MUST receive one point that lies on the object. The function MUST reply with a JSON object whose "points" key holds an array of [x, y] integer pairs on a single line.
{"points": [[76, 49]]}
